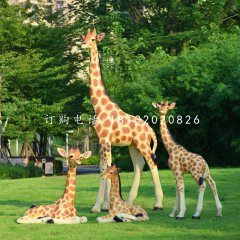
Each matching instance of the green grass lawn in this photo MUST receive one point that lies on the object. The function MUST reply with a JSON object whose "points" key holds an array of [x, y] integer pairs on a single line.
{"points": [[17, 195]]}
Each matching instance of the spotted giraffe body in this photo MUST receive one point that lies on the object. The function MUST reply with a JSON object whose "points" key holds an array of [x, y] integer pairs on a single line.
{"points": [[119, 210], [115, 127], [63, 210], [182, 161]]}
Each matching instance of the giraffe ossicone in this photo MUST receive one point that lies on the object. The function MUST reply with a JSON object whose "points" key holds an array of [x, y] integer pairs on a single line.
{"points": [[182, 161], [119, 210], [63, 210], [115, 127]]}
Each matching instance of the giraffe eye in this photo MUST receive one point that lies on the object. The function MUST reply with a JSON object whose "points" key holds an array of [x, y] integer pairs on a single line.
{"points": [[93, 39]]}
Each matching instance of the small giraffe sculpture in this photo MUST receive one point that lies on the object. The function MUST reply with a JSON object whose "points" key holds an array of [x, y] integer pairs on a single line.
{"points": [[115, 127], [63, 210], [119, 210], [182, 161]]}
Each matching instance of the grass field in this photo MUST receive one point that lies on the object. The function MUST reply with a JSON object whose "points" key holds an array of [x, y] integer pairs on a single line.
{"points": [[17, 195]]}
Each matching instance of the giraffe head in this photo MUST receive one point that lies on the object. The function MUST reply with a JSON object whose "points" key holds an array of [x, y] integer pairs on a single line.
{"points": [[91, 38], [111, 172], [74, 157], [163, 107]]}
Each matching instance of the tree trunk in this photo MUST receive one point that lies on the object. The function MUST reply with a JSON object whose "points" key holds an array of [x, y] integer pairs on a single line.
{"points": [[26, 153], [43, 144]]}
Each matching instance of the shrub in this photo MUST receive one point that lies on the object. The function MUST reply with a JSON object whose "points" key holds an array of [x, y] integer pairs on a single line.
{"points": [[33, 171], [58, 168], [93, 160], [12, 172]]}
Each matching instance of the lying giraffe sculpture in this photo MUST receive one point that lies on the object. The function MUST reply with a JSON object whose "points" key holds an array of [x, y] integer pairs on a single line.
{"points": [[119, 210], [63, 210], [115, 127], [182, 161]]}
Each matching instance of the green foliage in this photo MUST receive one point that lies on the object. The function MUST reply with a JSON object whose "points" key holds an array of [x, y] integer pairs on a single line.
{"points": [[183, 51], [33, 171], [92, 160], [12, 172], [57, 167], [208, 78]]}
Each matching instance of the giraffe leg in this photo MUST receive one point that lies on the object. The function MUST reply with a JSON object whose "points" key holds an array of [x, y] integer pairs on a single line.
{"points": [[138, 163], [156, 181], [106, 219], [140, 214], [105, 185], [201, 191], [105, 204], [215, 194], [75, 220], [180, 187], [97, 207], [28, 220], [127, 217], [108, 162], [176, 205]]}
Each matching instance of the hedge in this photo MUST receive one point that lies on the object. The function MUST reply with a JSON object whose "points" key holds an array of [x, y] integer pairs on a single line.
{"points": [[8, 171]]}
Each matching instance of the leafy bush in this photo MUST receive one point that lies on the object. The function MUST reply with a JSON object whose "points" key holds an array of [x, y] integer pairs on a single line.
{"points": [[12, 172], [93, 160], [58, 168], [33, 171]]}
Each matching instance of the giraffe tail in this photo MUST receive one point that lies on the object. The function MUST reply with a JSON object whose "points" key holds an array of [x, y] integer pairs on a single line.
{"points": [[205, 174], [154, 138]]}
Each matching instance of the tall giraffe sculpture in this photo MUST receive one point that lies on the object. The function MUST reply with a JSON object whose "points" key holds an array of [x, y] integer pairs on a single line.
{"points": [[115, 127], [63, 210], [182, 161], [119, 210]]}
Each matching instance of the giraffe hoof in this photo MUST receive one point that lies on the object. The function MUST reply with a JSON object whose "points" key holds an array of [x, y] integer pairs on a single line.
{"points": [[50, 221], [179, 218], [117, 219], [196, 217], [219, 212], [95, 210], [157, 208]]}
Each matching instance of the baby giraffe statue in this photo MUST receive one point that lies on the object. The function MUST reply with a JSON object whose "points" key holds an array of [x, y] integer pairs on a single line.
{"points": [[182, 161], [119, 210], [63, 210]]}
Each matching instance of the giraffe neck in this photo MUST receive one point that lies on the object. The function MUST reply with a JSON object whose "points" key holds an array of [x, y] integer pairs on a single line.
{"points": [[166, 135], [116, 188], [97, 88], [70, 188]]}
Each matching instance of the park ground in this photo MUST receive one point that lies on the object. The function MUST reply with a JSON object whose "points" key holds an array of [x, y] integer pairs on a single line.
{"points": [[17, 195]]}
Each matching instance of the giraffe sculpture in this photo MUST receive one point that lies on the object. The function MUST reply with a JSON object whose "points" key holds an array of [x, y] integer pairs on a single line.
{"points": [[63, 210], [182, 161], [115, 127], [119, 210]]}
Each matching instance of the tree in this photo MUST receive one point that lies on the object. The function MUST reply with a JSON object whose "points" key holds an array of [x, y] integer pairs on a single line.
{"points": [[34, 78]]}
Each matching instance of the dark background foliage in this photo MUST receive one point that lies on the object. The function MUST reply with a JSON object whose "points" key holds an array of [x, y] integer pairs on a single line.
{"points": [[182, 51]]}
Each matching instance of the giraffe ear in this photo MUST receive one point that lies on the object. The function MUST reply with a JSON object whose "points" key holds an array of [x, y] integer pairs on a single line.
{"points": [[100, 36], [155, 105], [82, 37], [172, 105], [86, 154], [62, 152]]}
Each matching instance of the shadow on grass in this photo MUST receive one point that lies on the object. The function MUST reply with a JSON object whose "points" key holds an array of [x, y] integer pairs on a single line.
{"points": [[18, 203]]}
